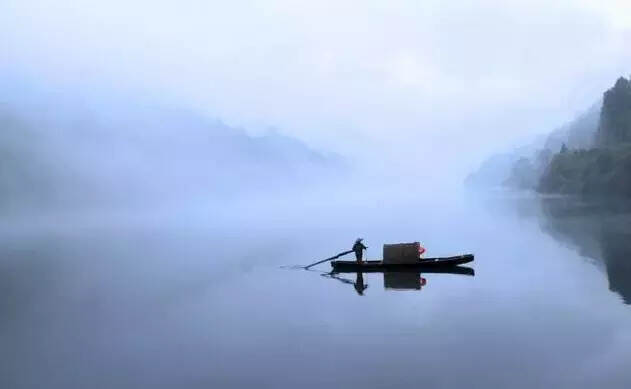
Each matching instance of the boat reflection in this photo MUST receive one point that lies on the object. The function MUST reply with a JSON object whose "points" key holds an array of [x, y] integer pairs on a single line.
{"points": [[409, 279]]}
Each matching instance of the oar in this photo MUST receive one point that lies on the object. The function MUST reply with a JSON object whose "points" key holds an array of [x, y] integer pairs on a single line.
{"points": [[329, 259]]}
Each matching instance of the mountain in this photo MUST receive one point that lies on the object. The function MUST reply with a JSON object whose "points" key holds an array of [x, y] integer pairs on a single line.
{"points": [[615, 118], [70, 155], [493, 171], [602, 169], [523, 167]]}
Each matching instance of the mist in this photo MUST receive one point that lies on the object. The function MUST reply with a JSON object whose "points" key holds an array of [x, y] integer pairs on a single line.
{"points": [[449, 84], [167, 170]]}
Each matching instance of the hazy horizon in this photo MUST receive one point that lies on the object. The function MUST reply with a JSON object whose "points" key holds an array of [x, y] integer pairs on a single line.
{"points": [[401, 88], [169, 170]]}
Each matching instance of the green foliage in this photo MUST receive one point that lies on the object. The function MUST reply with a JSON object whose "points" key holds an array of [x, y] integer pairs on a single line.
{"points": [[615, 115], [605, 170], [580, 133], [602, 171]]}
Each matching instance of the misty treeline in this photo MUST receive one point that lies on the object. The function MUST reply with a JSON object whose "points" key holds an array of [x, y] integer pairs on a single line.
{"points": [[74, 155], [589, 156]]}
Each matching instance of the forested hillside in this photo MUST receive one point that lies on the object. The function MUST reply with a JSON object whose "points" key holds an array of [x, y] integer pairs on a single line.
{"points": [[523, 167], [604, 168], [589, 156]]}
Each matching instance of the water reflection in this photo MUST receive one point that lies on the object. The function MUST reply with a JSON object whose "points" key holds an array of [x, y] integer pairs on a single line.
{"points": [[404, 279], [211, 308], [599, 230]]}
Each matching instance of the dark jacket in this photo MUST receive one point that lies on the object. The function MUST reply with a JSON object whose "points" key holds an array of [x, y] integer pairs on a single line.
{"points": [[359, 246]]}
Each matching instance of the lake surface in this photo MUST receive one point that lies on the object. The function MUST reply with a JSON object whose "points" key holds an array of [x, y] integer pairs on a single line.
{"points": [[200, 298]]}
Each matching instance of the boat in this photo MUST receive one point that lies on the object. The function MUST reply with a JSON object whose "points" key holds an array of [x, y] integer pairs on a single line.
{"points": [[423, 264], [458, 270]]}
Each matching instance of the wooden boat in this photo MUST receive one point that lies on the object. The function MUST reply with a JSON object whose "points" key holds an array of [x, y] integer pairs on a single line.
{"points": [[421, 265], [458, 270]]}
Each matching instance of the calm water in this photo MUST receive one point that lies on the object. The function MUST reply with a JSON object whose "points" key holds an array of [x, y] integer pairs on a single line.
{"points": [[198, 298]]}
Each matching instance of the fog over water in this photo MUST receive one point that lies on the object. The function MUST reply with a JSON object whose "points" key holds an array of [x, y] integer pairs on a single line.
{"points": [[165, 168], [195, 301]]}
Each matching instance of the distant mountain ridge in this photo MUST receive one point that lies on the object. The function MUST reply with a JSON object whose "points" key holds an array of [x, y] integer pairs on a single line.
{"points": [[589, 156], [604, 168], [522, 168], [125, 153]]}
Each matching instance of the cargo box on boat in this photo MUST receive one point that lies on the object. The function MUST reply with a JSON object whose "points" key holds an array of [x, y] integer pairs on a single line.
{"points": [[401, 253]]}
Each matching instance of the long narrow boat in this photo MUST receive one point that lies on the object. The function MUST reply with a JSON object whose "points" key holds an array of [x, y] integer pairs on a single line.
{"points": [[425, 263], [458, 270]]}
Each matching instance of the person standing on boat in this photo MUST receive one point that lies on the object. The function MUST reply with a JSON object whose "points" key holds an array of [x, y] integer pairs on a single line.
{"points": [[359, 248]]}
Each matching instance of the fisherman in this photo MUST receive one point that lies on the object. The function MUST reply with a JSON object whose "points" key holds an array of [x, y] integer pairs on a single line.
{"points": [[359, 248]]}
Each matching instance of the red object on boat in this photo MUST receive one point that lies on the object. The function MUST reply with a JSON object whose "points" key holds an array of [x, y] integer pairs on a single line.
{"points": [[421, 250]]}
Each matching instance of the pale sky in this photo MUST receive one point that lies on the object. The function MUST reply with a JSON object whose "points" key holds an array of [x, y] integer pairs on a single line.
{"points": [[412, 84]]}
